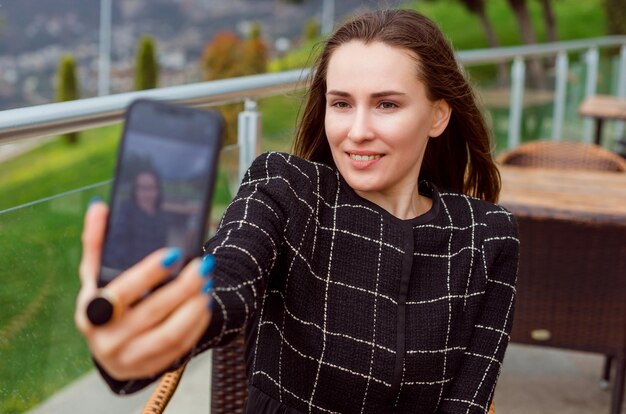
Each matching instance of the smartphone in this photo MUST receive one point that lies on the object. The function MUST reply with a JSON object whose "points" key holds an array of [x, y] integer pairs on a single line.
{"points": [[163, 185]]}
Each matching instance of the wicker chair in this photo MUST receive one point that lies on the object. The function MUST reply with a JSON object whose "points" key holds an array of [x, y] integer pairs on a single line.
{"points": [[229, 387], [571, 290], [571, 284], [563, 155]]}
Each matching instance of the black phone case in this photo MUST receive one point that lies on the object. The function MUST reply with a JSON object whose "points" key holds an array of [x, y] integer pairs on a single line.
{"points": [[174, 113]]}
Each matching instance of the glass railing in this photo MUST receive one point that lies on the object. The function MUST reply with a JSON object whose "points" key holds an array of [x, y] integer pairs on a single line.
{"points": [[41, 351], [40, 248], [538, 104]]}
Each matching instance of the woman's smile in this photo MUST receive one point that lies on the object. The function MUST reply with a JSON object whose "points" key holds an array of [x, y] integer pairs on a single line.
{"points": [[361, 161]]}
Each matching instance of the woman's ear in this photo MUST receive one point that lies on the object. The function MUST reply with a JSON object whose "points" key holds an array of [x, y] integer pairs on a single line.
{"points": [[442, 112]]}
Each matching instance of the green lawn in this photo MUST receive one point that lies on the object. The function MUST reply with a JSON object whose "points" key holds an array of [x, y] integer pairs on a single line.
{"points": [[41, 351], [56, 167], [39, 245]]}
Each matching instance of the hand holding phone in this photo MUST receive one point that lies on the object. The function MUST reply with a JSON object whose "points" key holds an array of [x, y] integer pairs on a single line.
{"points": [[160, 203], [150, 336], [161, 193]]}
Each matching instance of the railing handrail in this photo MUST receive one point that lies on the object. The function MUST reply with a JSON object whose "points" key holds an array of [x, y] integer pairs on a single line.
{"points": [[61, 117], [503, 54], [58, 118]]}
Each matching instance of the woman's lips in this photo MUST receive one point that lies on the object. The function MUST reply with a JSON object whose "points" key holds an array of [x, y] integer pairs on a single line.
{"points": [[363, 161]]}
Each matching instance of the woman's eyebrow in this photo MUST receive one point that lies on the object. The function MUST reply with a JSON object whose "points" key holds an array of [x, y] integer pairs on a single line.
{"points": [[380, 94], [338, 93], [386, 93]]}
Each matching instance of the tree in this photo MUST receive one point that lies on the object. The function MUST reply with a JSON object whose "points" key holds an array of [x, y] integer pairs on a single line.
{"points": [[550, 20], [311, 30], [616, 16], [520, 9], [220, 58], [478, 8], [67, 88], [229, 56], [146, 65], [253, 52]]}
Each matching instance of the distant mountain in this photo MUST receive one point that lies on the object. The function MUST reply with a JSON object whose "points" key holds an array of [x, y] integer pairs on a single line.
{"points": [[29, 25], [34, 35]]}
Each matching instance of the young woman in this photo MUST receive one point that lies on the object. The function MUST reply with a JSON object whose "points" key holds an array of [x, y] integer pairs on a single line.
{"points": [[370, 272], [144, 223]]}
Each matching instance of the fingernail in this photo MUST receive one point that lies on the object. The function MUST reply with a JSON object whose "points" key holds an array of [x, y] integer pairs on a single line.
{"points": [[207, 265], [208, 287], [173, 255], [94, 199]]}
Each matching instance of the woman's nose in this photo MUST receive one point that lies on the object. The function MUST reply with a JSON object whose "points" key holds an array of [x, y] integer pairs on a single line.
{"points": [[361, 128]]}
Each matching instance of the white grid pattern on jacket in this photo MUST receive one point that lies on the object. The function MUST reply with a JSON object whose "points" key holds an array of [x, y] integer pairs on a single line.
{"points": [[290, 250]]}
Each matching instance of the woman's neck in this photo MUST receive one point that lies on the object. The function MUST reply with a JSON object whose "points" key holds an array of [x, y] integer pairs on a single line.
{"points": [[404, 206]]}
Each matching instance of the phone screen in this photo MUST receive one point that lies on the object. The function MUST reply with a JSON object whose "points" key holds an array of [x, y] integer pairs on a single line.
{"points": [[163, 184]]}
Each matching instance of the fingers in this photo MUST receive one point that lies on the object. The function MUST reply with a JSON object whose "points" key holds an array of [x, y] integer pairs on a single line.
{"points": [[92, 239], [153, 309], [138, 347], [158, 348], [137, 281]]}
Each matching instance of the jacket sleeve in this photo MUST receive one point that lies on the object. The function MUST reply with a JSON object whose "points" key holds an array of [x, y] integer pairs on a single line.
{"points": [[245, 247], [474, 383]]}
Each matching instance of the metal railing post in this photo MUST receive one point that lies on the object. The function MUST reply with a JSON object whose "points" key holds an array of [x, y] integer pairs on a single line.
{"points": [[518, 73], [560, 93], [621, 87], [248, 135], [591, 59]]}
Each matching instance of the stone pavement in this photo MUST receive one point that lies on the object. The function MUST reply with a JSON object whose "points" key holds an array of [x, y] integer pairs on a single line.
{"points": [[541, 380], [91, 395], [534, 380]]}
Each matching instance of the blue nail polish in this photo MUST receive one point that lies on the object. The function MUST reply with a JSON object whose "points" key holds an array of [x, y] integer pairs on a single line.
{"points": [[208, 287], [207, 265], [173, 255], [94, 199]]}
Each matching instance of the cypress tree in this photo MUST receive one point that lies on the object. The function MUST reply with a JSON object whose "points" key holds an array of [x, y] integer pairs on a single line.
{"points": [[67, 87], [146, 66], [253, 52], [311, 30]]}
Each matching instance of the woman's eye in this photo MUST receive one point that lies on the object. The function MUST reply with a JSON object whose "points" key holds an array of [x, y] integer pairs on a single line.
{"points": [[387, 105], [340, 104]]}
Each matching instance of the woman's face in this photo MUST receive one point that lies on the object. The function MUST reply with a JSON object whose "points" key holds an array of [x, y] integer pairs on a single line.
{"points": [[146, 192], [378, 118]]}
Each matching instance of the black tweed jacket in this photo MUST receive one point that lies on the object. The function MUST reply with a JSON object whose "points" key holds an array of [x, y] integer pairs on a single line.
{"points": [[349, 309]]}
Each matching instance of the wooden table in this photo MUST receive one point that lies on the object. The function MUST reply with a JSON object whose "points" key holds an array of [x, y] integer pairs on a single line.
{"points": [[571, 286], [584, 195], [601, 108]]}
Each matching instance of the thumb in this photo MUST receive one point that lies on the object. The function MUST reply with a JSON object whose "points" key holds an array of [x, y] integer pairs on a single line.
{"points": [[92, 241]]}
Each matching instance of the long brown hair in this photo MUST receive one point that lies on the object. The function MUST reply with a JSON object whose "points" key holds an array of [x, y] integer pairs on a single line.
{"points": [[460, 159]]}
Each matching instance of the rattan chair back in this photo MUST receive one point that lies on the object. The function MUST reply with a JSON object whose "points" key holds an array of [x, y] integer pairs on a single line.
{"points": [[563, 155], [229, 385]]}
